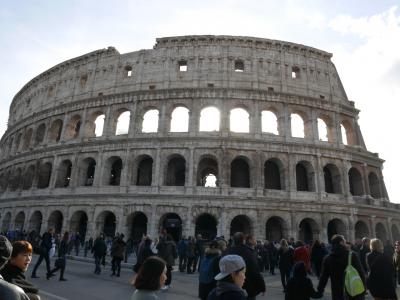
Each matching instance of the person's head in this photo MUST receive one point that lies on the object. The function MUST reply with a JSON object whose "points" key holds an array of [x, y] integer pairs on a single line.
{"points": [[284, 244], [5, 250], [51, 231], [250, 240], [151, 275], [238, 238], [376, 245], [221, 245], [365, 241], [233, 269], [299, 244], [337, 240], [66, 236], [299, 270], [21, 255]]}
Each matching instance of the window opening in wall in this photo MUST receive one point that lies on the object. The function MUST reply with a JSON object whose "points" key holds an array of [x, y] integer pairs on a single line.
{"points": [[209, 119], [269, 122], [240, 173], [144, 172], [239, 66], [76, 129], [321, 96], [152, 87], [150, 121], [295, 72], [176, 170], [322, 130], [344, 134], [128, 71], [270, 89], [123, 123], [180, 119], [210, 181], [239, 120], [83, 81], [91, 168], [115, 172], [99, 125], [183, 67], [210, 85], [297, 126]]}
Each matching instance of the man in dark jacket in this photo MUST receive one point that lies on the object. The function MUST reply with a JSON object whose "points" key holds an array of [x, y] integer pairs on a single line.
{"points": [[117, 253], [254, 283], [45, 247], [333, 267], [364, 250], [99, 250], [167, 251]]}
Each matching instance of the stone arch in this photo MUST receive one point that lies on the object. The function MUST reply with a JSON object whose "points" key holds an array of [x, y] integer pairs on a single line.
{"points": [[348, 133], [150, 120], [27, 179], [361, 230], [73, 127], [137, 226], [176, 171], [55, 221], [35, 222], [329, 128], [27, 139], [180, 119], [40, 133], [112, 171], [95, 122], [207, 171], [395, 233], [275, 229], [122, 121], [15, 180], [78, 223], [64, 174], [171, 223], [355, 182], [381, 232], [209, 119], [308, 230], [332, 180], [336, 226], [4, 179], [239, 120], [374, 185], [240, 172], [241, 223], [305, 176], [297, 125], [106, 223], [269, 122], [18, 142], [55, 130], [144, 173], [44, 175], [6, 222], [273, 174], [206, 225], [87, 170], [19, 221]]}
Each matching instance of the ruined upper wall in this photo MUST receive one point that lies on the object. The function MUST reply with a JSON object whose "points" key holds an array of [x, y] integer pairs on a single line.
{"points": [[210, 60]]}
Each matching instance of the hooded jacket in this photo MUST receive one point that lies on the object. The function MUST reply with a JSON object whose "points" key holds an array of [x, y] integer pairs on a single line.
{"points": [[227, 291], [299, 286]]}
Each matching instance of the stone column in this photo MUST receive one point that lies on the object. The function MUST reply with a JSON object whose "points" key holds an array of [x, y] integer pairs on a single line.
{"points": [[63, 129], [158, 173], [189, 181], [98, 174], [54, 172], [372, 225], [125, 168], [153, 232], [287, 119], [108, 128], [82, 129], [134, 119], [365, 179]]}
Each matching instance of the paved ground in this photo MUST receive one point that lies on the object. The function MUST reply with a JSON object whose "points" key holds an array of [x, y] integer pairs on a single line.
{"points": [[82, 284]]}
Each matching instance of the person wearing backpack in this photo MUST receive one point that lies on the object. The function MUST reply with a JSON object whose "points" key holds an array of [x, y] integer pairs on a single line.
{"points": [[334, 266], [299, 286], [380, 282], [209, 268]]}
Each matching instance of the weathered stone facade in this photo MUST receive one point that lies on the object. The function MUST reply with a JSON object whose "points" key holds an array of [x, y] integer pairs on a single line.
{"points": [[55, 171]]}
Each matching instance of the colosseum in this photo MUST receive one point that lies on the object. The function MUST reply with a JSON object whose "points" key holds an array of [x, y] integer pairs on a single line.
{"points": [[201, 134]]}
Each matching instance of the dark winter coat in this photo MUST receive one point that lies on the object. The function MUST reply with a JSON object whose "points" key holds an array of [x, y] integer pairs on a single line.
{"points": [[254, 283], [118, 248], [285, 259], [46, 243], [15, 275], [380, 281], [215, 256], [363, 257], [227, 291], [167, 251], [10, 291], [143, 254], [333, 267], [299, 286], [99, 248]]}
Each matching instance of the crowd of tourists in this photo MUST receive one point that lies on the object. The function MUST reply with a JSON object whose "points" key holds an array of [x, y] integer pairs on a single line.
{"points": [[230, 269]]}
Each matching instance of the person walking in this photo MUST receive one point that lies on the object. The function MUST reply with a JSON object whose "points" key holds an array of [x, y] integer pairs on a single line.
{"points": [[45, 247], [333, 267], [285, 258], [167, 251], [117, 253], [318, 252], [191, 255], [299, 286], [272, 254], [61, 261], [301, 253], [364, 250], [99, 250], [209, 268], [254, 283], [182, 254], [144, 253], [380, 282]]}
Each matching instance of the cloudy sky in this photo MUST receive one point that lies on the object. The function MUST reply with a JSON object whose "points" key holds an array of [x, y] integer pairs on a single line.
{"points": [[364, 37]]}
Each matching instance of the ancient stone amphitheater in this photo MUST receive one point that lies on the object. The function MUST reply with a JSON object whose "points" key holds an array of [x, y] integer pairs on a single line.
{"points": [[201, 134]]}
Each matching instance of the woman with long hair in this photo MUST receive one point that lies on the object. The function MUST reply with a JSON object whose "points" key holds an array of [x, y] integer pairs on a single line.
{"points": [[285, 257], [61, 260]]}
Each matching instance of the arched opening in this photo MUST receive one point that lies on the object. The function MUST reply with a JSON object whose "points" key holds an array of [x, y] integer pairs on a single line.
{"points": [[98, 125], [145, 171], [332, 179], [206, 225], [4, 180], [27, 180], [35, 223], [176, 169], [322, 130], [44, 175], [27, 139], [78, 223], [348, 134], [374, 186], [123, 123], [150, 121], [344, 135], [6, 222], [308, 230], [395, 233], [112, 173], [381, 233], [305, 177], [73, 127], [40, 132], [239, 120], [137, 226], [269, 122], [297, 126], [55, 130], [15, 180], [209, 119], [107, 223], [19, 221], [272, 175], [64, 174], [355, 182], [361, 230], [180, 119], [336, 226], [207, 172], [274, 229], [55, 221], [18, 142], [171, 223], [240, 173], [86, 171], [240, 223]]}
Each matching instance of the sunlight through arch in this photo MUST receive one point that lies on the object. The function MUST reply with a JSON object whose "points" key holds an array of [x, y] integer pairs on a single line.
{"points": [[180, 119], [99, 125], [239, 120], [123, 123], [297, 125], [150, 121], [269, 122], [209, 119]]}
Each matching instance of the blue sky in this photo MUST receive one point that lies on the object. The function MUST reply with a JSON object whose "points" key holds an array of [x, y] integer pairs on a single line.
{"points": [[364, 37]]}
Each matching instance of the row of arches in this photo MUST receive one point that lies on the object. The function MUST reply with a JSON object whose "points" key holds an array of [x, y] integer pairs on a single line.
{"points": [[240, 174], [96, 124], [136, 224]]}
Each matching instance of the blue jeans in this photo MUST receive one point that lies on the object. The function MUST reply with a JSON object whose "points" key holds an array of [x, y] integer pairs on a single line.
{"points": [[97, 262]]}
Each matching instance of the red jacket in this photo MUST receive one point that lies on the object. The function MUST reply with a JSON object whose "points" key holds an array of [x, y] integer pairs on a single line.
{"points": [[302, 254]]}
